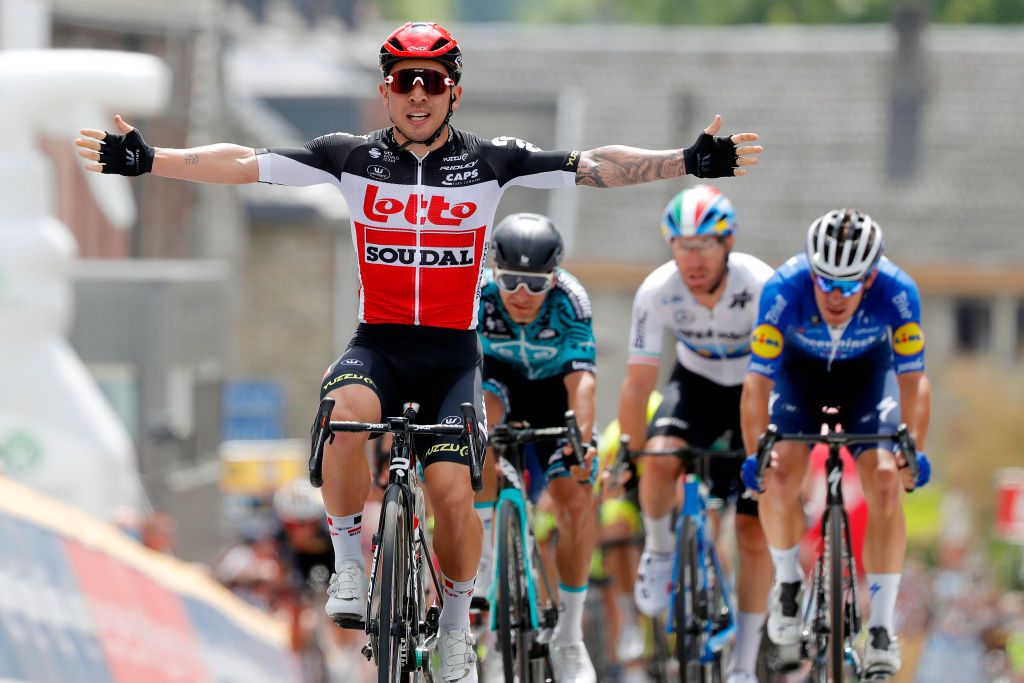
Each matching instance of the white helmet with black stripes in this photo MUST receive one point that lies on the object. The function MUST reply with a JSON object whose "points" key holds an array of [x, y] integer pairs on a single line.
{"points": [[844, 244]]}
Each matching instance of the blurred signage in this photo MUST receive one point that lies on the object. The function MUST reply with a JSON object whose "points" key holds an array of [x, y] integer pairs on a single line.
{"points": [[1010, 504], [258, 467]]}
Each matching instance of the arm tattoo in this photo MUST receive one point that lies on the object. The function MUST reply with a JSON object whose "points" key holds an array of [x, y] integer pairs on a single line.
{"points": [[191, 159], [618, 166]]}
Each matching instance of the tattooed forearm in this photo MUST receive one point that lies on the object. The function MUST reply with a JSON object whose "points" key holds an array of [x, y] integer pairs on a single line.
{"points": [[191, 159], [618, 166]]}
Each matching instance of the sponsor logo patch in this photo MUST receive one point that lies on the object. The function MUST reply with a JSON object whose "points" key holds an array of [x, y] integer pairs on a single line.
{"points": [[766, 342], [908, 339], [378, 172], [429, 257]]}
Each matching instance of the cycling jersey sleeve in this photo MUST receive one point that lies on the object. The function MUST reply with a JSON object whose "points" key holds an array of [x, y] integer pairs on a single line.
{"points": [[645, 330], [518, 162], [320, 160], [773, 315], [905, 321], [575, 317]]}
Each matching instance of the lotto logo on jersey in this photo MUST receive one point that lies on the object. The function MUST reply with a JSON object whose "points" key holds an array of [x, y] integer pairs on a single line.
{"points": [[908, 339], [416, 209], [766, 342], [418, 256]]}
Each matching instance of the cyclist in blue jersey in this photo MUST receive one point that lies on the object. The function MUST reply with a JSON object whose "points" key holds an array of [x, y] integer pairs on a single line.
{"points": [[838, 326], [539, 361]]}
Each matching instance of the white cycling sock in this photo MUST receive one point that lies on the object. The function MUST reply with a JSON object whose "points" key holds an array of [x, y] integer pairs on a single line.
{"points": [[748, 640], [457, 596], [486, 513], [787, 564], [659, 534], [346, 533], [570, 622], [884, 589]]}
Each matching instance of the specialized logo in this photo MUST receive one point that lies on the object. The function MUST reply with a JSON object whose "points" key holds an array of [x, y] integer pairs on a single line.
{"points": [[378, 172], [885, 407], [766, 342], [428, 257], [908, 339], [416, 209]]}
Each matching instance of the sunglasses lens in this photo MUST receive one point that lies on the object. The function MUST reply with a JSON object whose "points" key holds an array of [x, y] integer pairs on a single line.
{"points": [[845, 287], [535, 284], [434, 83]]}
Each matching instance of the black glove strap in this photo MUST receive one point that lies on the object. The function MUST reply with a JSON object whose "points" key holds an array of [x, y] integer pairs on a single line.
{"points": [[126, 154], [711, 157]]}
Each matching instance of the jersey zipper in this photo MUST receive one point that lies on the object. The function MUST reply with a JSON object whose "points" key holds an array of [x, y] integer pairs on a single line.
{"points": [[418, 257]]}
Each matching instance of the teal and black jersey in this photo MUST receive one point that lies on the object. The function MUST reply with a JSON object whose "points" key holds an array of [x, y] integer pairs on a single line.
{"points": [[560, 339]]}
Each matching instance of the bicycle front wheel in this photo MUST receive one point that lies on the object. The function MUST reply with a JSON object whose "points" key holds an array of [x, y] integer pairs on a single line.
{"points": [[687, 607], [834, 549], [392, 625], [513, 603]]}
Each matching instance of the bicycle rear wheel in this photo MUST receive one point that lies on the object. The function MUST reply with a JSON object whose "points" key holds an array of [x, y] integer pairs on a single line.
{"points": [[392, 625], [834, 549], [687, 604], [513, 608]]}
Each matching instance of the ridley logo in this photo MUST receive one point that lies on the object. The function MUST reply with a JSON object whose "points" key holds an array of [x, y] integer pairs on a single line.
{"points": [[438, 210], [418, 256]]}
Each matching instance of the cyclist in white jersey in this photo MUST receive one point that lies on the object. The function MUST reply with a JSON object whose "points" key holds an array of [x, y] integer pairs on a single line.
{"points": [[707, 296], [422, 197]]}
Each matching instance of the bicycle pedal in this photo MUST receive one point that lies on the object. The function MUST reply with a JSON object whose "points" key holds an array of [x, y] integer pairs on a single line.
{"points": [[367, 652], [346, 621]]}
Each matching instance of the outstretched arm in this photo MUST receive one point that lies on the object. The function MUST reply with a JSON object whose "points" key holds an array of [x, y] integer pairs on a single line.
{"points": [[709, 157], [126, 153]]}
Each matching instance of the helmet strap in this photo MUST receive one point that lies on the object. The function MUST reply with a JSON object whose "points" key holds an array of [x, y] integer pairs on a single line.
{"points": [[721, 277]]}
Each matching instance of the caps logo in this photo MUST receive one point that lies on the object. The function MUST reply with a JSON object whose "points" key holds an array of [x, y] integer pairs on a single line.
{"points": [[908, 339], [766, 342]]}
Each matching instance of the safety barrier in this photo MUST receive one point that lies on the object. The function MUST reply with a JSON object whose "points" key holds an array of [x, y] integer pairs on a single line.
{"points": [[82, 602]]}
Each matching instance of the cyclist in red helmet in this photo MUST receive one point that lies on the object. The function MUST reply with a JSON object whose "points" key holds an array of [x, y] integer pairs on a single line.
{"points": [[422, 196]]}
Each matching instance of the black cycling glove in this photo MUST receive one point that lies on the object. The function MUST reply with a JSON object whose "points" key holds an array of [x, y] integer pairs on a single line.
{"points": [[711, 157], [126, 154]]}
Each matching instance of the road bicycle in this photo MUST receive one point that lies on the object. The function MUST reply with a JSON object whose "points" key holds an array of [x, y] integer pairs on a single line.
{"points": [[402, 628], [832, 614], [522, 622], [701, 614]]}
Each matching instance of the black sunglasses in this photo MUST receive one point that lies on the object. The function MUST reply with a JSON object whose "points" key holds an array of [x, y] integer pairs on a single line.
{"points": [[433, 82]]}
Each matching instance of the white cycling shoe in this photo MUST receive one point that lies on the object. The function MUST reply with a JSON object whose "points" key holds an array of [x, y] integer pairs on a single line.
{"points": [[741, 677], [456, 655], [651, 590], [881, 656], [571, 664], [785, 627], [346, 595]]}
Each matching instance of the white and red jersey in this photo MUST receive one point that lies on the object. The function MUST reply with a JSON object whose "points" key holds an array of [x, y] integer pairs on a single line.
{"points": [[420, 226]]}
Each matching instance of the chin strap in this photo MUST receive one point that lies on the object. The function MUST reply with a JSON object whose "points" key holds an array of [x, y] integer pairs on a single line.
{"points": [[437, 133]]}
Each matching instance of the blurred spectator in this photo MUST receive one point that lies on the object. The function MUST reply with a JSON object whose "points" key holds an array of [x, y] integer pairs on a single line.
{"points": [[158, 533]]}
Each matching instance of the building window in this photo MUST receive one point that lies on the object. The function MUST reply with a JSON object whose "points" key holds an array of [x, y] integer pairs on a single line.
{"points": [[973, 325]]}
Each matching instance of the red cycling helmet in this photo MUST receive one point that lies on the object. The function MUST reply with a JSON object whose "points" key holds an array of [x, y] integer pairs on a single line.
{"points": [[421, 40]]}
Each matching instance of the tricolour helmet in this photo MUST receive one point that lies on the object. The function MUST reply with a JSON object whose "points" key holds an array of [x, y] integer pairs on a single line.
{"points": [[844, 244], [421, 40], [527, 242], [298, 501], [700, 210]]}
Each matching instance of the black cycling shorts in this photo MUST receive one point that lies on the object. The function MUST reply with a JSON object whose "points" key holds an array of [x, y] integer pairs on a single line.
{"points": [[702, 412], [437, 368]]}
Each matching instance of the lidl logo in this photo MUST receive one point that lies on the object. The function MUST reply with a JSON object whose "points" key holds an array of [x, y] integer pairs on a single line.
{"points": [[766, 342], [908, 339]]}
